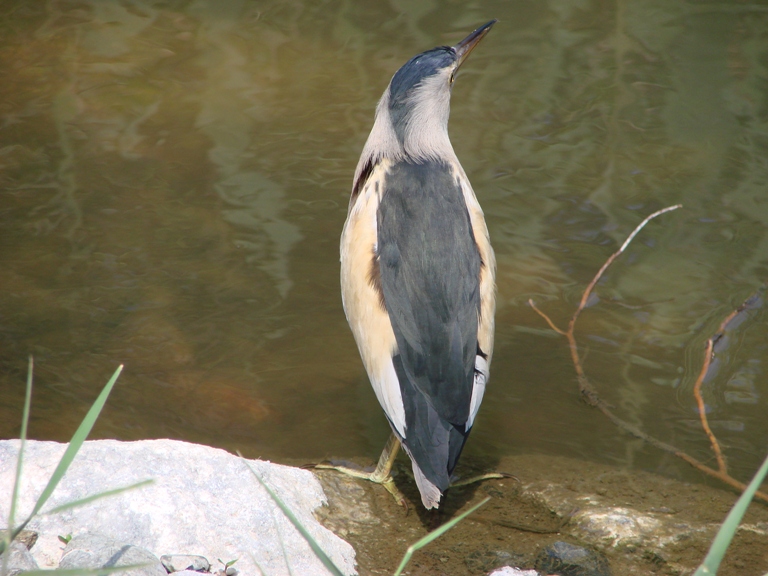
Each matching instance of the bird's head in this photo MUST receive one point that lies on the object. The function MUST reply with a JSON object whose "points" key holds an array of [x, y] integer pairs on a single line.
{"points": [[412, 115], [416, 105]]}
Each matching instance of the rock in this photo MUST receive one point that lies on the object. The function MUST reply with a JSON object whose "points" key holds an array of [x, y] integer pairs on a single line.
{"points": [[98, 551], [644, 522], [179, 562], [619, 525], [510, 571], [20, 559], [203, 501], [567, 559]]}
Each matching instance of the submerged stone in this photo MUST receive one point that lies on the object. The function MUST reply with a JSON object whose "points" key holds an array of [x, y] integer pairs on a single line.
{"points": [[566, 559]]}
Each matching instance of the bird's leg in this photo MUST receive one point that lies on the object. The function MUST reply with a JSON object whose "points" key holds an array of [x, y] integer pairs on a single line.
{"points": [[386, 460], [383, 472]]}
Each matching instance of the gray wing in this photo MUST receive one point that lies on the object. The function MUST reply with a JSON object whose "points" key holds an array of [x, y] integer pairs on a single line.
{"points": [[429, 268]]}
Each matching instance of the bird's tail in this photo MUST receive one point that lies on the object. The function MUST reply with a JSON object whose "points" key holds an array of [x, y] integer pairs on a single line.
{"points": [[432, 488], [430, 493]]}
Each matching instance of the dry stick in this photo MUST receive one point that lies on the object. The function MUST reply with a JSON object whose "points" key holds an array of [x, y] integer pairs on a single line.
{"points": [[702, 409], [708, 355], [593, 399]]}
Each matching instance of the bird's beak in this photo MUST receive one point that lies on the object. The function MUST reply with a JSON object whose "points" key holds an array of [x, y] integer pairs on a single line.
{"points": [[466, 46]]}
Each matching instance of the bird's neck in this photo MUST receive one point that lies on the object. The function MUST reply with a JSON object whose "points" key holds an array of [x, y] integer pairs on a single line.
{"points": [[410, 140]]}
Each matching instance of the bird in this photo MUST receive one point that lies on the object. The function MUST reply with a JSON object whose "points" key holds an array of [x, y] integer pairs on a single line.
{"points": [[418, 274]]}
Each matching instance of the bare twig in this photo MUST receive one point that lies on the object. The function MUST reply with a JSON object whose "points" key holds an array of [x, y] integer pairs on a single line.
{"points": [[615, 255], [592, 398], [546, 318], [709, 354], [703, 410]]}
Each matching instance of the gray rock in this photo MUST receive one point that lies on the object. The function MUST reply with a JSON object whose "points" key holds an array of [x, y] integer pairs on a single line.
{"points": [[570, 560], [203, 500], [99, 551], [20, 559], [179, 562]]}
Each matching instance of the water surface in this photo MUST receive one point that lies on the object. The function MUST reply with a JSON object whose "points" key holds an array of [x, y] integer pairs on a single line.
{"points": [[175, 176]]}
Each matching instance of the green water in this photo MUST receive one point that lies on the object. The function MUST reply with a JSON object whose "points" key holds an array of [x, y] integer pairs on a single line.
{"points": [[175, 176]]}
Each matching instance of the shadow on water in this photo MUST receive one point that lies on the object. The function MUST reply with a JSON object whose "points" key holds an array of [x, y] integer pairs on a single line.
{"points": [[175, 178]]}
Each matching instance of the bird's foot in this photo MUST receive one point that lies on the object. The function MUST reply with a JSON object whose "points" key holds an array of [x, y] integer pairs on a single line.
{"points": [[479, 478], [381, 475], [376, 476]]}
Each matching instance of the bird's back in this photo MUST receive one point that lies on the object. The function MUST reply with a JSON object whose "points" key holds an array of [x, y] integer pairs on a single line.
{"points": [[429, 266]]}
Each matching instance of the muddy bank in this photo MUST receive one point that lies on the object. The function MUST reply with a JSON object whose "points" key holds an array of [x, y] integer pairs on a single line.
{"points": [[643, 523]]}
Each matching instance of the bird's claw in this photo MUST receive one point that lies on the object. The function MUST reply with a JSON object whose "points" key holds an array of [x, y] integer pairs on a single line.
{"points": [[385, 480]]}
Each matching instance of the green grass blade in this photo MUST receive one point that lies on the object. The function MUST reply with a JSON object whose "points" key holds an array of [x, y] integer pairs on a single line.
{"points": [[728, 529], [11, 533], [319, 552], [88, 499], [434, 535], [75, 444]]}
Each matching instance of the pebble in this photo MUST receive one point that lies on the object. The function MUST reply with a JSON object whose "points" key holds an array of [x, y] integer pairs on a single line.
{"points": [[180, 562], [510, 571]]}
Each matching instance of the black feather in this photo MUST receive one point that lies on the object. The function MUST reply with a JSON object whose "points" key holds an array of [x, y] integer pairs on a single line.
{"points": [[365, 173]]}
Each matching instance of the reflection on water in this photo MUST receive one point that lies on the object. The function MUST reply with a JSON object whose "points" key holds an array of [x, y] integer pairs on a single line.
{"points": [[175, 177]]}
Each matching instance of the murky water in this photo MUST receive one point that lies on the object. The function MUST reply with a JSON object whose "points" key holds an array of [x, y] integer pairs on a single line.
{"points": [[175, 177]]}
